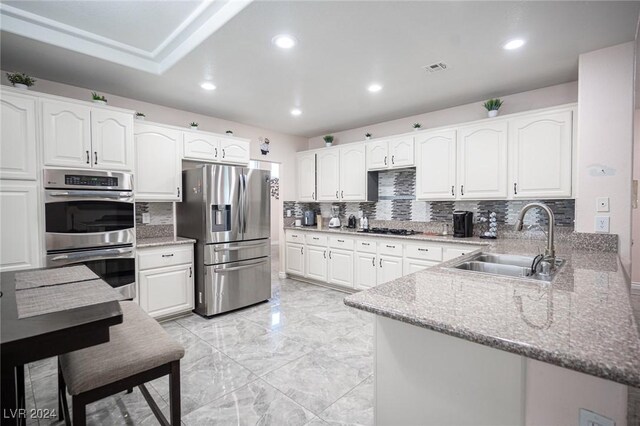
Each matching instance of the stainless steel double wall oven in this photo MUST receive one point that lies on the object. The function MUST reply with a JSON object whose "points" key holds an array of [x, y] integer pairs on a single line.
{"points": [[90, 219]]}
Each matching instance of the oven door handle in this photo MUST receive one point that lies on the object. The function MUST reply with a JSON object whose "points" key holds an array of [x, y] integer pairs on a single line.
{"points": [[93, 255], [237, 268], [117, 195]]}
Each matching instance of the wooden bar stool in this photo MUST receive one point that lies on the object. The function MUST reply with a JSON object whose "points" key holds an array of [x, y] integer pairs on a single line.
{"points": [[139, 350]]}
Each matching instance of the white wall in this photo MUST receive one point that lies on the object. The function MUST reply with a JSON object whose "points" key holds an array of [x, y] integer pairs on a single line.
{"points": [[282, 147], [518, 102], [605, 129]]}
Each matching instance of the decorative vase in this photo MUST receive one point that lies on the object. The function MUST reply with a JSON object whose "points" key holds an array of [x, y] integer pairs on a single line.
{"points": [[194, 127], [493, 113], [21, 86], [98, 101], [328, 144]]}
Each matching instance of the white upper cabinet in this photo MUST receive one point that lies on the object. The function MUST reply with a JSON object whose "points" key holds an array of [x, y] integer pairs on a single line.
{"points": [[401, 152], [18, 143], [436, 165], [66, 134], [328, 163], [482, 161], [201, 146], [377, 155], [306, 173], [158, 165], [353, 173], [112, 140], [234, 151], [540, 155]]}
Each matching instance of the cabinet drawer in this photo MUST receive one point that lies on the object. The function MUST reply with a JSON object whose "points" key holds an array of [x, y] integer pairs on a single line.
{"points": [[295, 237], [316, 240], [343, 243], [366, 246], [425, 252], [452, 253], [158, 257], [392, 248]]}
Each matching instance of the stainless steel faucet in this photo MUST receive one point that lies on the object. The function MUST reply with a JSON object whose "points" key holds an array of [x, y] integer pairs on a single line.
{"points": [[550, 251]]}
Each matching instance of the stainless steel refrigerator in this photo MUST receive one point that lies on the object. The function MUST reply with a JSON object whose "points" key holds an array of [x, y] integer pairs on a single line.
{"points": [[227, 210]]}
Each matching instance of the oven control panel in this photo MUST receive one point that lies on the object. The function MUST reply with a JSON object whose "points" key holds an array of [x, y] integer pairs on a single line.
{"points": [[84, 180]]}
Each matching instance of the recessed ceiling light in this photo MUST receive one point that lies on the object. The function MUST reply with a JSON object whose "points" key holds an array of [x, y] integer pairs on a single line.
{"points": [[374, 88], [284, 41], [513, 44], [296, 112], [207, 85]]}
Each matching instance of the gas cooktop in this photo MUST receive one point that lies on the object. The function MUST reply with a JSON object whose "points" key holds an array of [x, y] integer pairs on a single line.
{"points": [[392, 231]]}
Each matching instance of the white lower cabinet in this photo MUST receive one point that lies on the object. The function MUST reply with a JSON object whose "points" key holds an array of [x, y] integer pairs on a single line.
{"points": [[20, 243], [451, 253], [389, 268], [414, 265], [316, 263], [295, 258], [166, 280], [365, 270], [341, 267]]}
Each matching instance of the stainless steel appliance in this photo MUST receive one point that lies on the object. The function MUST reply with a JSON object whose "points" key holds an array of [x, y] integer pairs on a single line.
{"points": [[309, 218], [462, 224], [227, 210], [351, 222], [90, 219]]}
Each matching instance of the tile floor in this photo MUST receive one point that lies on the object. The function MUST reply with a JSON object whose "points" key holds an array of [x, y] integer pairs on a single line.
{"points": [[302, 358]]}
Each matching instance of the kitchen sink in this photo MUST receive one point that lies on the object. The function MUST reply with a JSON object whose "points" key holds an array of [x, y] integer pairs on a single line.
{"points": [[505, 265]]}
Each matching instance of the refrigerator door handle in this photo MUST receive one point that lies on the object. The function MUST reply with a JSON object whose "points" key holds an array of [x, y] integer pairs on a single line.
{"points": [[218, 249], [237, 268]]}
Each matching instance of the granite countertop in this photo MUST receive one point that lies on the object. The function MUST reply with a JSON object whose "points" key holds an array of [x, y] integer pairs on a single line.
{"points": [[582, 320], [163, 241]]}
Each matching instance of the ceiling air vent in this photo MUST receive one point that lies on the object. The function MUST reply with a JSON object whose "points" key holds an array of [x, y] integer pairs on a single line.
{"points": [[438, 66]]}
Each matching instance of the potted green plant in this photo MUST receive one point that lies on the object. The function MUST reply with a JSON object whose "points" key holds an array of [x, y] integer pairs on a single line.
{"points": [[140, 116], [367, 136], [328, 140], [194, 125], [492, 106], [98, 99], [416, 126], [20, 80], [229, 132]]}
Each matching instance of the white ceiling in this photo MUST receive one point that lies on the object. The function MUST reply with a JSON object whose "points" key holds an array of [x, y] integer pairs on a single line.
{"points": [[343, 47]]}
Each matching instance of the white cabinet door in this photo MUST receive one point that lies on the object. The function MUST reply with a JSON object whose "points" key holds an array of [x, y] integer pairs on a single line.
{"points": [[111, 140], [295, 259], [353, 173], [452, 253], [377, 155], [158, 165], [306, 173], [482, 161], [201, 146], [414, 265], [389, 268], [328, 175], [436, 165], [401, 152], [66, 134], [341, 267], [316, 265], [18, 144], [166, 291], [234, 151], [366, 270], [19, 227], [540, 155]]}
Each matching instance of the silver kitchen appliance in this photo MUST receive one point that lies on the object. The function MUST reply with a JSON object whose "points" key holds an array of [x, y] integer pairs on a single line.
{"points": [[227, 210], [90, 219]]}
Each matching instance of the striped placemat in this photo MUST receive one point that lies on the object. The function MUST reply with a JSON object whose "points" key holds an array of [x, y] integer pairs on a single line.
{"points": [[52, 277]]}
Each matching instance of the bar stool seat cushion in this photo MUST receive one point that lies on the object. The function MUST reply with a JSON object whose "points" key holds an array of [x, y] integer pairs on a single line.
{"points": [[138, 344]]}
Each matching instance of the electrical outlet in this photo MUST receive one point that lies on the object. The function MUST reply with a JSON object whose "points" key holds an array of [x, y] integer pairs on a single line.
{"points": [[602, 204], [288, 213], [602, 224], [146, 217], [589, 418]]}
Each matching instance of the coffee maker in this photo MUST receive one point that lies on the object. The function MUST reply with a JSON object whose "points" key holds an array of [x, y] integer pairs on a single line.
{"points": [[462, 224], [309, 218]]}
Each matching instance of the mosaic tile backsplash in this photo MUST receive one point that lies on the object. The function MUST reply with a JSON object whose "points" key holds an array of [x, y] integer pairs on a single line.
{"points": [[396, 201]]}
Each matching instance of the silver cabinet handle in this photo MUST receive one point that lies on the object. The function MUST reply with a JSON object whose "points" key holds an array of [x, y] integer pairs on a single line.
{"points": [[341, 194], [95, 157], [219, 249], [302, 250], [515, 188], [325, 254], [366, 244], [216, 153], [388, 246], [315, 238], [452, 191], [88, 158], [237, 268], [178, 192], [461, 189], [337, 194], [313, 195], [373, 261], [381, 262], [329, 254], [167, 255], [190, 272], [422, 249], [341, 241], [223, 153], [393, 159], [385, 160]]}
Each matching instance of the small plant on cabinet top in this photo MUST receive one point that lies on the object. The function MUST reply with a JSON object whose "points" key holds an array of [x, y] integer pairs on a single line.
{"points": [[417, 126], [20, 80], [140, 116], [367, 136], [193, 125], [328, 140], [98, 98], [492, 106], [229, 132]]}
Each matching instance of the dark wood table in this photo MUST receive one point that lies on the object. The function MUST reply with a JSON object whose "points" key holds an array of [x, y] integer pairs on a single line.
{"points": [[30, 339]]}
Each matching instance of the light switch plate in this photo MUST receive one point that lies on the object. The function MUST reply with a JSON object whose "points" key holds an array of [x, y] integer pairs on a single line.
{"points": [[602, 224], [602, 204], [146, 217], [589, 418]]}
